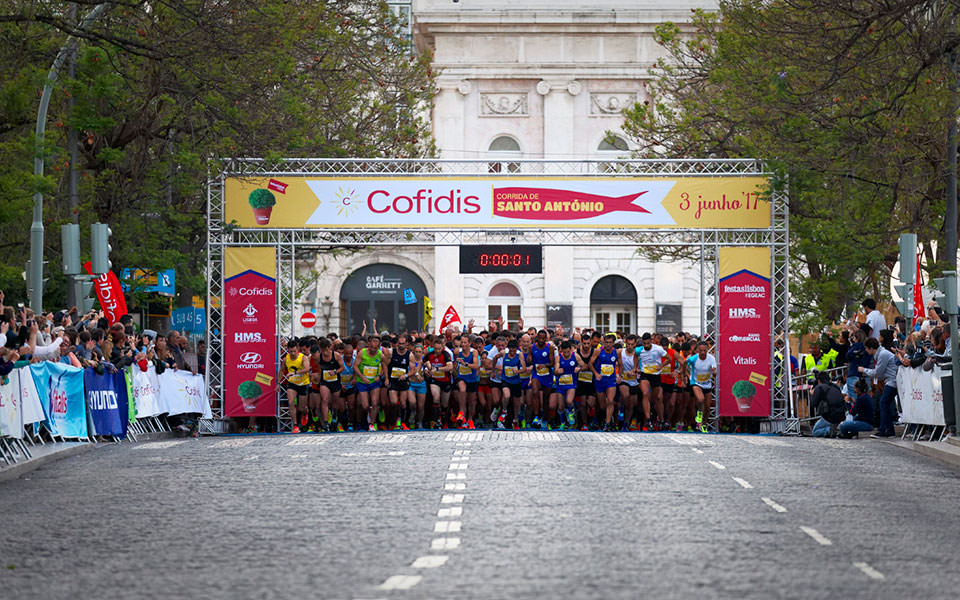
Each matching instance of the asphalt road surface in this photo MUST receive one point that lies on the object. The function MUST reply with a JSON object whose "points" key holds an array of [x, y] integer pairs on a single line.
{"points": [[484, 515]]}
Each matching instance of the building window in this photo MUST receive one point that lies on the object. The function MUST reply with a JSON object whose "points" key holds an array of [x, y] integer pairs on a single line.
{"points": [[504, 301], [612, 147], [504, 150]]}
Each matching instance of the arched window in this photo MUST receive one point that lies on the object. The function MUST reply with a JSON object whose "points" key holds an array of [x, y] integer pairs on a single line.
{"points": [[504, 300], [613, 304], [503, 150], [613, 144], [612, 147]]}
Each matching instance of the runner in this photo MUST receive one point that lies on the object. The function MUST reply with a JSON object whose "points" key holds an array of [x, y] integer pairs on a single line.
{"points": [[650, 356], [496, 382], [439, 368], [468, 362], [418, 383], [561, 400], [511, 367], [398, 372], [368, 370], [629, 390], [484, 392], [326, 366], [526, 347], [605, 366], [668, 385], [348, 389], [296, 375], [543, 360], [703, 368], [586, 394]]}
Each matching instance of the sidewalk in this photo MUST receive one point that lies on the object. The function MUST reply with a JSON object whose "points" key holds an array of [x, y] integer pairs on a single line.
{"points": [[41, 455], [947, 451]]}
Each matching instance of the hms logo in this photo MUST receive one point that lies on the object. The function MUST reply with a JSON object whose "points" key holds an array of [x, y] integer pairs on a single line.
{"points": [[247, 338], [744, 313]]}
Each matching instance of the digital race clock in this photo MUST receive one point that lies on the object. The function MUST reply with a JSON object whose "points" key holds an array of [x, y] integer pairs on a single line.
{"points": [[501, 259]]}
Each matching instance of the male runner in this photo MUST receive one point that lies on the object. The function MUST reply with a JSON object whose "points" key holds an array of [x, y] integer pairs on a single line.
{"points": [[702, 371], [368, 368], [468, 363], [629, 390], [326, 366], [296, 374], [586, 390], [510, 367], [605, 373], [398, 371], [561, 400], [541, 384], [439, 368], [650, 357]]}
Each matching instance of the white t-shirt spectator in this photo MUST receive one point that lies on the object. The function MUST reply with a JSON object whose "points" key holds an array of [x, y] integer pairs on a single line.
{"points": [[876, 322]]}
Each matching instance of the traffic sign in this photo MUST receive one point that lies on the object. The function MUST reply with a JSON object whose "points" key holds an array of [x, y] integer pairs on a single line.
{"points": [[308, 320]]}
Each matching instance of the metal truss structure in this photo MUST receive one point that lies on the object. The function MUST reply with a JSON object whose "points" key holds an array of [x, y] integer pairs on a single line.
{"points": [[703, 243]]}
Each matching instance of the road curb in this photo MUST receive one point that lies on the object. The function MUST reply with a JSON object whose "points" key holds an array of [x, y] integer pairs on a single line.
{"points": [[943, 452], [19, 469]]}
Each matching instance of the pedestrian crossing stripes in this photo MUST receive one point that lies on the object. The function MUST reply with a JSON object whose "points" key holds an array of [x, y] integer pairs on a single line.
{"points": [[465, 436], [387, 438], [308, 441]]}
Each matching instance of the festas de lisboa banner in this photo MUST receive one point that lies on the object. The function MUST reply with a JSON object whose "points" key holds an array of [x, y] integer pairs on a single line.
{"points": [[921, 396], [183, 392], [146, 391], [595, 202]]}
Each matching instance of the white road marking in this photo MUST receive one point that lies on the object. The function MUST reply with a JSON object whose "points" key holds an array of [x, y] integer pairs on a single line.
{"points": [[461, 453], [456, 475], [774, 505], [298, 455], [451, 499], [451, 543], [686, 439], [431, 561], [716, 464], [308, 440], [764, 441], [387, 438], [869, 571], [394, 453], [463, 444], [160, 445], [458, 466], [232, 443], [465, 436], [819, 537], [743, 483], [447, 513], [254, 457], [454, 487], [401, 582], [447, 526], [697, 450]]}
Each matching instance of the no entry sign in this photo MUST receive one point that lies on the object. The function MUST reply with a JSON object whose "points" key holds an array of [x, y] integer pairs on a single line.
{"points": [[308, 320]]}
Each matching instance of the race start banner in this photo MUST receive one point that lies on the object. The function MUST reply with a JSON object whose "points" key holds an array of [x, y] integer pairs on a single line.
{"points": [[60, 388], [250, 332], [472, 202], [743, 348], [107, 402]]}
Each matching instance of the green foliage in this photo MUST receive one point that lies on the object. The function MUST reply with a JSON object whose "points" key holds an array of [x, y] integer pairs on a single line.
{"points": [[847, 104], [162, 91], [249, 389], [743, 389], [262, 198]]}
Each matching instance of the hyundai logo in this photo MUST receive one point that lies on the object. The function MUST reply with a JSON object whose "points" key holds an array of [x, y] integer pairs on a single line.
{"points": [[250, 357]]}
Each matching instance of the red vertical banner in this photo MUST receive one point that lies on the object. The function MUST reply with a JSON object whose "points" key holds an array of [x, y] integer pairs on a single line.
{"points": [[743, 348], [109, 293], [250, 332]]}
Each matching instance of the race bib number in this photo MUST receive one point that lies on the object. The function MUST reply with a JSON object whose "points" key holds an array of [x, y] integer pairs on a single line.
{"points": [[397, 372], [666, 369], [606, 370], [510, 371], [585, 376], [543, 370], [629, 376], [703, 377], [465, 370], [329, 375], [370, 371], [566, 380], [651, 369], [484, 373]]}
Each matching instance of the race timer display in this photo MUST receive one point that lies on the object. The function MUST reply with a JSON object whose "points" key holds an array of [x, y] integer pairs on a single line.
{"points": [[501, 259]]}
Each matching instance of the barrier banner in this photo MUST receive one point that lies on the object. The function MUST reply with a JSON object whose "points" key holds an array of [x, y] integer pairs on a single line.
{"points": [[921, 396], [11, 415], [743, 347], [131, 401], [250, 332], [184, 392], [107, 401], [60, 388], [146, 392], [30, 402]]}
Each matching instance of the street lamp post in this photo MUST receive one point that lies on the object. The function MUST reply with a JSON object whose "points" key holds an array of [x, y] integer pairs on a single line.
{"points": [[36, 228]]}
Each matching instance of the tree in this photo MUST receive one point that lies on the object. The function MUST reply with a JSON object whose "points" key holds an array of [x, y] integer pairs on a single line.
{"points": [[847, 102], [164, 90]]}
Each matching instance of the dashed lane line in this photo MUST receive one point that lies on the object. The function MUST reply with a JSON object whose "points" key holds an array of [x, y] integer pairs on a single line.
{"points": [[449, 513], [816, 535], [869, 571], [716, 464], [401, 582], [774, 505], [457, 466], [452, 499], [697, 450], [430, 561], [454, 487], [449, 543], [456, 475], [743, 483], [447, 526]]}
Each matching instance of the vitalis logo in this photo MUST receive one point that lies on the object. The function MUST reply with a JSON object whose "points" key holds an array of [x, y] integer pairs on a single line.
{"points": [[744, 360], [750, 337], [246, 337]]}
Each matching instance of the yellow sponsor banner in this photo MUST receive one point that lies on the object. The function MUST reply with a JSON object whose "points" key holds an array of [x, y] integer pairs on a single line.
{"points": [[286, 202], [239, 260], [734, 259]]}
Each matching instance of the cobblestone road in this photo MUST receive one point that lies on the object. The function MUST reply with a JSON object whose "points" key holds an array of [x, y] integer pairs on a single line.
{"points": [[483, 515]]}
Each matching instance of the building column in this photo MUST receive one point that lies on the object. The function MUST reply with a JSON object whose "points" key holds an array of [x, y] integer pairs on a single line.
{"points": [[449, 117]]}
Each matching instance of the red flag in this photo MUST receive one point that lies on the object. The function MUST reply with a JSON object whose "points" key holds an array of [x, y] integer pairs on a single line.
{"points": [[918, 313], [109, 293], [449, 318]]}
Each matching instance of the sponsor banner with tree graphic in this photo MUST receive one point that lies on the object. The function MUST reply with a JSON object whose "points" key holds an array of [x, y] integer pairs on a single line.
{"points": [[285, 202], [743, 348], [250, 332]]}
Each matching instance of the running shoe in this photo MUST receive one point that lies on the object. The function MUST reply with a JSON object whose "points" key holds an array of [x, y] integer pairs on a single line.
{"points": [[523, 424], [460, 418], [503, 417], [350, 427], [584, 427], [372, 427], [500, 425], [399, 424], [703, 428], [340, 427], [571, 418], [296, 429], [316, 418], [470, 424], [404, 427], [594, 425], [381, 417], [679, 427], [303, 420], [536, 423], [699, 418], [494, 415]]}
